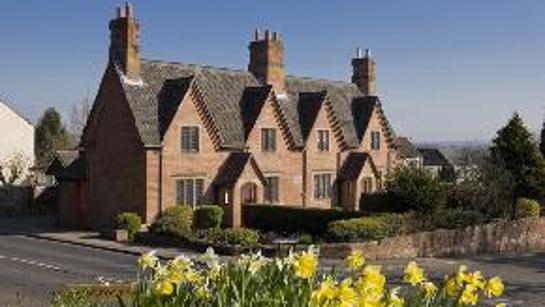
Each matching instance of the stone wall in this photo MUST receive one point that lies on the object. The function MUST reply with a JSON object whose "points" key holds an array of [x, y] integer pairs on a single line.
{"points": [[527, 235]]}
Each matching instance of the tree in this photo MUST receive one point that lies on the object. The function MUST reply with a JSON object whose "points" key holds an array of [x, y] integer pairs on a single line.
{"points": [[515, 150], [78, 116], [14, 169], [415, 189], [542, 143], [50, 135]]}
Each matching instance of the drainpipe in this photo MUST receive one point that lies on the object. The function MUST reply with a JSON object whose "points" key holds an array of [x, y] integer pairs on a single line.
{"points": [[160, 192], [304, 179]]}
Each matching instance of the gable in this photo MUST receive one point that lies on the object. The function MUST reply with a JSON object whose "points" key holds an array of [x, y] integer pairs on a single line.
{"points": [[270, 116], [376, 121], [322, 119]]}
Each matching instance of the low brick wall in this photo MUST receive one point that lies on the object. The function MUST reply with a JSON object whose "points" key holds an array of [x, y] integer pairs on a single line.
{"points": [[527, 235]]}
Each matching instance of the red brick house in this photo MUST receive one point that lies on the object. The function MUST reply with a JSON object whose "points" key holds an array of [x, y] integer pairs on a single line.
{"points": [[161, 134]]}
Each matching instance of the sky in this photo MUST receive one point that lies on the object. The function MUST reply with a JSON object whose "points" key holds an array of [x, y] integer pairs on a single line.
{"points": [[446, 70]]}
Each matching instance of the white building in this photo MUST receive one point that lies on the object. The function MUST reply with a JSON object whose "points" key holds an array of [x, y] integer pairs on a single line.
{"points": [[16, 140]]}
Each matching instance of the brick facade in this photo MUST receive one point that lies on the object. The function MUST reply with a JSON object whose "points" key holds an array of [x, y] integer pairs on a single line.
{"points": [[133, 137]]}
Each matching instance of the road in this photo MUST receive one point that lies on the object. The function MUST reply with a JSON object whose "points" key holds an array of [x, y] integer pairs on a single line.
{"points": [[31, 268], [35, 267]]}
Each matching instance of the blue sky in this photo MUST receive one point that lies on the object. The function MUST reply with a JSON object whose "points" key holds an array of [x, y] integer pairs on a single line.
{"points": [[447, 70]]}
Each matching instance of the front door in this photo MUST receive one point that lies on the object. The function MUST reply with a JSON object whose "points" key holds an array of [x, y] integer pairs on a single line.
{"points": [[248, 193]]}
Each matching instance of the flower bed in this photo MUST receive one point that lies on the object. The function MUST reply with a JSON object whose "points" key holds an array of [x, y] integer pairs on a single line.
{"points": [[253, 280]]}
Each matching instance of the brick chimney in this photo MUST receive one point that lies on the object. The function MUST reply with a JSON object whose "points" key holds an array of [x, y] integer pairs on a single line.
{"points": [[124, 42], [267, 60], [363, 72]]}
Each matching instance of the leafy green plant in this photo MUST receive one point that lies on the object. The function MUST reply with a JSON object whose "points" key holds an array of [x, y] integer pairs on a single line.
{"points": [[455, 218], [253, 280], [208, 217], [416, 189], [359, 229], [174, 221], [293, 220], [129, 221], [526, 208], [233, 236]]}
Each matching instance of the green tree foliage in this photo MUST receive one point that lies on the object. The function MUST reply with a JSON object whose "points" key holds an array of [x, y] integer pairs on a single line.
{"points": [[415, 189], [50, 135], [515, 149]]}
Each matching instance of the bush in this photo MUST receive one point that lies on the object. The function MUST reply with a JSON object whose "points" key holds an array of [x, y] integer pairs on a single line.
{"points": [[129, 221], [292, 220], [526, 208], [374, 227], [306, 239], [208, 217], [451, 219], [359, 229], [233, 236], [416, 189], [175, 221], [380, 202]]}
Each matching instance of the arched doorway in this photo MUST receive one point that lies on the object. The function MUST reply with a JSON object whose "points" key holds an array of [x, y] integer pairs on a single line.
{"points": [[248, 193]]}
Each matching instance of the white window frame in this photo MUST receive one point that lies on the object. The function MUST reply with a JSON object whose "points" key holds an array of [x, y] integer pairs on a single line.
{"points": [[321, 195], [198, 141], [327, 133], [194, 202], [275, 147]]}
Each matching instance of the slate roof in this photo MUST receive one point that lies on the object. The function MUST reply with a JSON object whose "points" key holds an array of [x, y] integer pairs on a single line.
{"points": [[353, 165], [233, 99], [72, 166], [406, 149], [433, 157], [232, 168]]}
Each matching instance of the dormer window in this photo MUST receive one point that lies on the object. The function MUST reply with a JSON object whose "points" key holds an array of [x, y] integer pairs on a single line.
{"points": [[375, 140], [268, 139], [323, 140], [190, 139]]}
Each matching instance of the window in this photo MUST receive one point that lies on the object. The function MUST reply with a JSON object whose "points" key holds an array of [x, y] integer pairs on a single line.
{"points": [[322, 186], [189, 191], [375, 140], [268, 139], [271, 189], [323, 140], [190, 139]]}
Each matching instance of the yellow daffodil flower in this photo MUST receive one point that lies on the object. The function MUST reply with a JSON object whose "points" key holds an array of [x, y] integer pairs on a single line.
{"points": [[452, 288], [429, 290], [394, 300], [305, 263], [413, 274], [346, 294], [494, 287], [355, 260], [469, 295], [148, 260], [164, 287], [325, 292]]}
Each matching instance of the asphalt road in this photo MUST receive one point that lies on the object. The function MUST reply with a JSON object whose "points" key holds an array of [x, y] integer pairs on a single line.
{"points": [[30, 269]]}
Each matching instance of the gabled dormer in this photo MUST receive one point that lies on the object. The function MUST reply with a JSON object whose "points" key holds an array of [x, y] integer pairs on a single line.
{"points": [[319, 129]]}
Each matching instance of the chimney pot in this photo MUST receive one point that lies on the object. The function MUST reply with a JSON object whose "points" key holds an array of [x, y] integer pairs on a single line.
{"points": [[256, 35], [267, 35], [275, 36], [367, 53], [363, 72], [128, 9], [358, 53]]}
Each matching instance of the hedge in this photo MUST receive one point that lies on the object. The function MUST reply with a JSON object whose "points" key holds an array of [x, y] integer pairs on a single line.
{"points": [[290, 220], [525, 207], [176, 221], [380, 202], [208, 217]]}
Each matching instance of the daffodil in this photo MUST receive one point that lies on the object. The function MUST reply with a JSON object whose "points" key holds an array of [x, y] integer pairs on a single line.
{"points": [[476, 279], [193, 277], [202, 293], [461, 275], [164, 287], [469, 295], [355, 260], [148, 260], [180, 263], [325, 292], [452, 288], [429, 290], [413, 274], [371, 285], [345, 293], [494, 287], [305, 263], [394, 300]]}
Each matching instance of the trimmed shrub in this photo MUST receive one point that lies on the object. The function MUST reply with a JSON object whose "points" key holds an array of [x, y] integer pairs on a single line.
{"points": [[359, 229], [233, 236], [292, 220], [380, 202], [451, 219], [129, 221], [208, 217], [526, 207], [175, 221]]}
